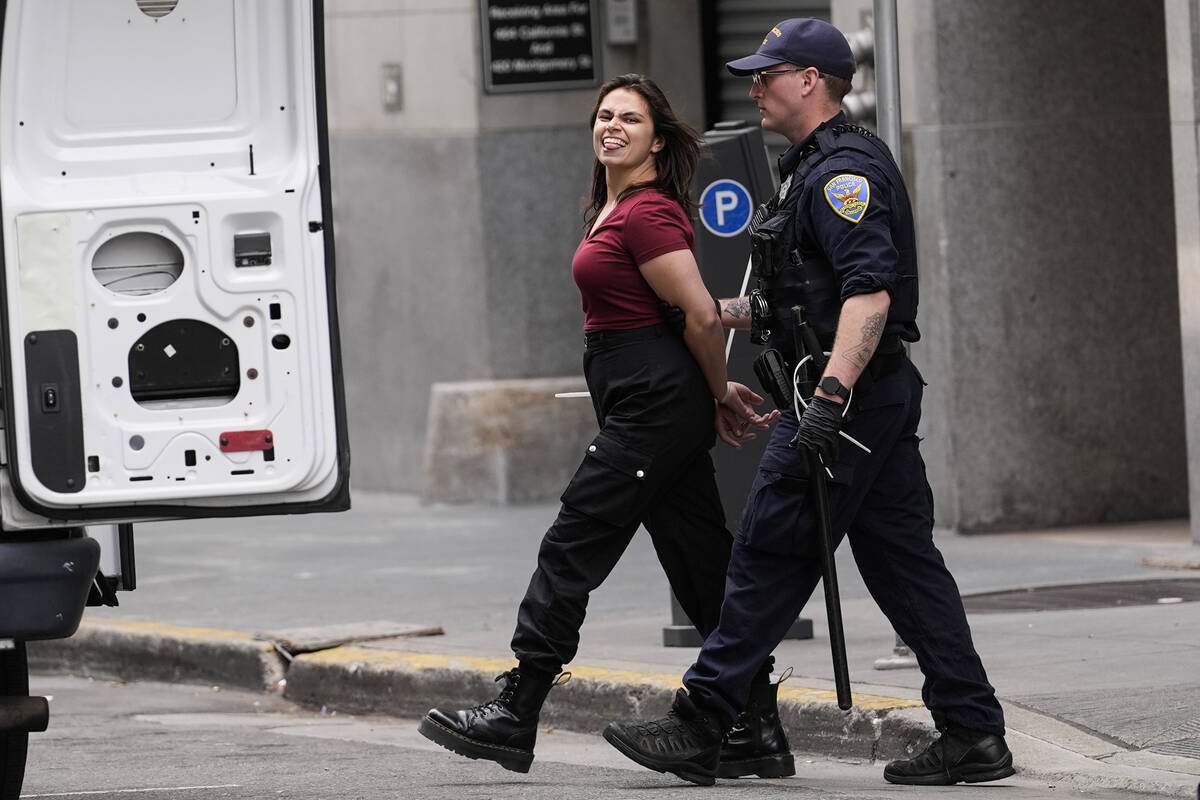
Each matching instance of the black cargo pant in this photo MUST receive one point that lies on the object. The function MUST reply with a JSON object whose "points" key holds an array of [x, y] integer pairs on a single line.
{"points": [[649, 465]]}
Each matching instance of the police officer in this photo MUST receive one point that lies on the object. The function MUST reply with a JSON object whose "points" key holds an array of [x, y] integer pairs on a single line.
{"points": [[838, 240]]}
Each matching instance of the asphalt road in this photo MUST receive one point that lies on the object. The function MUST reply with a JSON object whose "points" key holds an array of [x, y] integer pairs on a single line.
{"points": [[465, 568], [147, 741]]}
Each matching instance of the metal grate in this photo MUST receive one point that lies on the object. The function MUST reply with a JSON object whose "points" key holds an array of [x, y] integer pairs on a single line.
{"points": [[1112, 594], [157, 8], [1184, 748], [1182, 741]]}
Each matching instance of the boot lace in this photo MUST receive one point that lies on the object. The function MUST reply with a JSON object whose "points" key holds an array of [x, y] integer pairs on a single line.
{"points": [[512, 679]]}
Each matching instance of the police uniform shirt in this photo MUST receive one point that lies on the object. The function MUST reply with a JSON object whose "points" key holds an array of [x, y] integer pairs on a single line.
{"points": [[854, 209]]}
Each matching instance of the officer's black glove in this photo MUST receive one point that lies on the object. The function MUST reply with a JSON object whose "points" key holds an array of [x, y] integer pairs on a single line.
{"points": [[819, 427], [673, 316]]}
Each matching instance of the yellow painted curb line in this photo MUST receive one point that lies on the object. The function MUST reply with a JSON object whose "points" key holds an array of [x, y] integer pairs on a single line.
{"points": [[171, 631], [350, 654]]}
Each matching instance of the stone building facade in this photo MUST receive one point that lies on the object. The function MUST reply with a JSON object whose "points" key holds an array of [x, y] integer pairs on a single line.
{"points": [[1051, 151]]}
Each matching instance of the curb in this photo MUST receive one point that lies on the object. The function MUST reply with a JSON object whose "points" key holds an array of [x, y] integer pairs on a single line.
{"points": [[365, 680], [362, 680], [130, 650]]}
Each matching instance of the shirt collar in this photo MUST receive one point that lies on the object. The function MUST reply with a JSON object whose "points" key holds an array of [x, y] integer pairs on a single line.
{"points": [[792, 157]]}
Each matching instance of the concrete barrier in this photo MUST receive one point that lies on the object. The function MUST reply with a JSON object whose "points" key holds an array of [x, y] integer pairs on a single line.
{"points": [[504, 441]]}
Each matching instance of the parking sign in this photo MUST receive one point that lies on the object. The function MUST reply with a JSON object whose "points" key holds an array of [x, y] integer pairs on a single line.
{"points": [[725, 207]]}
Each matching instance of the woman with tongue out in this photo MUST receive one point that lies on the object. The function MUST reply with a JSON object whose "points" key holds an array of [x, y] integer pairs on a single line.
{"points": [[659, 389]]}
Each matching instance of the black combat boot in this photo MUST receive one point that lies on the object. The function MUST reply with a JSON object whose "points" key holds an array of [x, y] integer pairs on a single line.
{"points": [[686, 742], [503, 730], [756, 744], [959, 754]]}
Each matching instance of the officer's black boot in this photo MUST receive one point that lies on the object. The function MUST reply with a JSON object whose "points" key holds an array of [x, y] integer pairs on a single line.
{"points": [[959, 754], [686, 742], [756, 744], [503, 730]]}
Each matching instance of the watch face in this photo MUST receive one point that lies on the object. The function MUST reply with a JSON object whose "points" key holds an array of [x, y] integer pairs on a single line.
{"points": [[832, 385]]}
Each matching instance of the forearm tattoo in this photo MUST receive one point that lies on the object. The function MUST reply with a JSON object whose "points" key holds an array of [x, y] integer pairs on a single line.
{"points": [[737, 309], [872, 329]]}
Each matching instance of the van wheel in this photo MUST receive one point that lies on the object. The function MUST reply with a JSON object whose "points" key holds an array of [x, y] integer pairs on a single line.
{"points": [[14, 682]]}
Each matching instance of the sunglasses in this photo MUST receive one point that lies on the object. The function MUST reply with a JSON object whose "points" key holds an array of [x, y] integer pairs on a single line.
{"points": [[760, 78]]}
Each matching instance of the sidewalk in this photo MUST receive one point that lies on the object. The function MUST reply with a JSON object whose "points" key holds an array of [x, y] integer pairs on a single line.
{"points": [[1097, 697]]}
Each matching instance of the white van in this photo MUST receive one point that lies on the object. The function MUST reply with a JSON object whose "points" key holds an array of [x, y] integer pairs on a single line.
{"points": [[168, 325]]}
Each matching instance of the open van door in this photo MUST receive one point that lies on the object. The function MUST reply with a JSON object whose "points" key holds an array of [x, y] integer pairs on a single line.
{"points": [[169, 338]]}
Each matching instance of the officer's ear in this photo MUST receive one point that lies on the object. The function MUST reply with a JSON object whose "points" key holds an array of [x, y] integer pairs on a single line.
{"points": [[810, 79]]}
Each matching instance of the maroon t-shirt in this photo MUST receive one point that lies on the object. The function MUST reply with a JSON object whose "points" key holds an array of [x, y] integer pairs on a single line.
{"points": [[642, 226]]}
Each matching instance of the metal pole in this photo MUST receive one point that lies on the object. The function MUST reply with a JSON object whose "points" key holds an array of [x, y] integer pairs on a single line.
{"points": [[887, 77], [887, 121]]}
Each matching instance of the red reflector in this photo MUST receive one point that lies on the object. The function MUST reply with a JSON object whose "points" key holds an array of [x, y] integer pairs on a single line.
{"points": [[245, 441]]}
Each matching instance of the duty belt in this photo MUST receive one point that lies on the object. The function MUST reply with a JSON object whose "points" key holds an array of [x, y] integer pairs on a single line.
{"points": [[888, 345], [889, 356]]}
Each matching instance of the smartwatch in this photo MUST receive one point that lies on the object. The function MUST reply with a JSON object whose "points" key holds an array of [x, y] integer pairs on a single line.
{"points": [[831, 385]]}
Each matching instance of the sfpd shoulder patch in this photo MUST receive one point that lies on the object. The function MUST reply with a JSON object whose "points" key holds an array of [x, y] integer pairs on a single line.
{"points": [[848, 196]]}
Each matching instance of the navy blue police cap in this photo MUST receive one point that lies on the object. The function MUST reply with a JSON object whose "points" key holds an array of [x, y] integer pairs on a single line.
{"points": [[804, 42]]}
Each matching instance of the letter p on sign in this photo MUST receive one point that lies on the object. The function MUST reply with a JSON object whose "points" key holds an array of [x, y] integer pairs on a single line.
{"points": [[725, 207]]}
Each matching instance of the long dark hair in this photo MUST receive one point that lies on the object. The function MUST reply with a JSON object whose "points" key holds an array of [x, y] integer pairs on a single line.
{"points": [[674, 164]]}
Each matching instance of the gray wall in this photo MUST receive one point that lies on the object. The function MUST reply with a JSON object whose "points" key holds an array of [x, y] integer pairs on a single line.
{"points": [[456, 216], [1038, 142], [452, 266], [1040, 145], [532, 185], [401, 268], [1183, 48]]}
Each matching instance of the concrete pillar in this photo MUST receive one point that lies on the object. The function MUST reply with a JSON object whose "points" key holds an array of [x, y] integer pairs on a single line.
{"points": [[1183, 60], [1049, 294]]}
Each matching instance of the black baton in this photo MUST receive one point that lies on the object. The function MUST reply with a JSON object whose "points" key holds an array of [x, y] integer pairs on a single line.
{"points": [[803, 338]]}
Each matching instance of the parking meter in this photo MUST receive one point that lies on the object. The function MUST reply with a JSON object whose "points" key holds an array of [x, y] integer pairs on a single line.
{"points": [[729, 186]]}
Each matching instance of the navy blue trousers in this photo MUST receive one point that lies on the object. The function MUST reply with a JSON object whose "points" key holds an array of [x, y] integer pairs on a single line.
{"points": [[883, 504]]}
